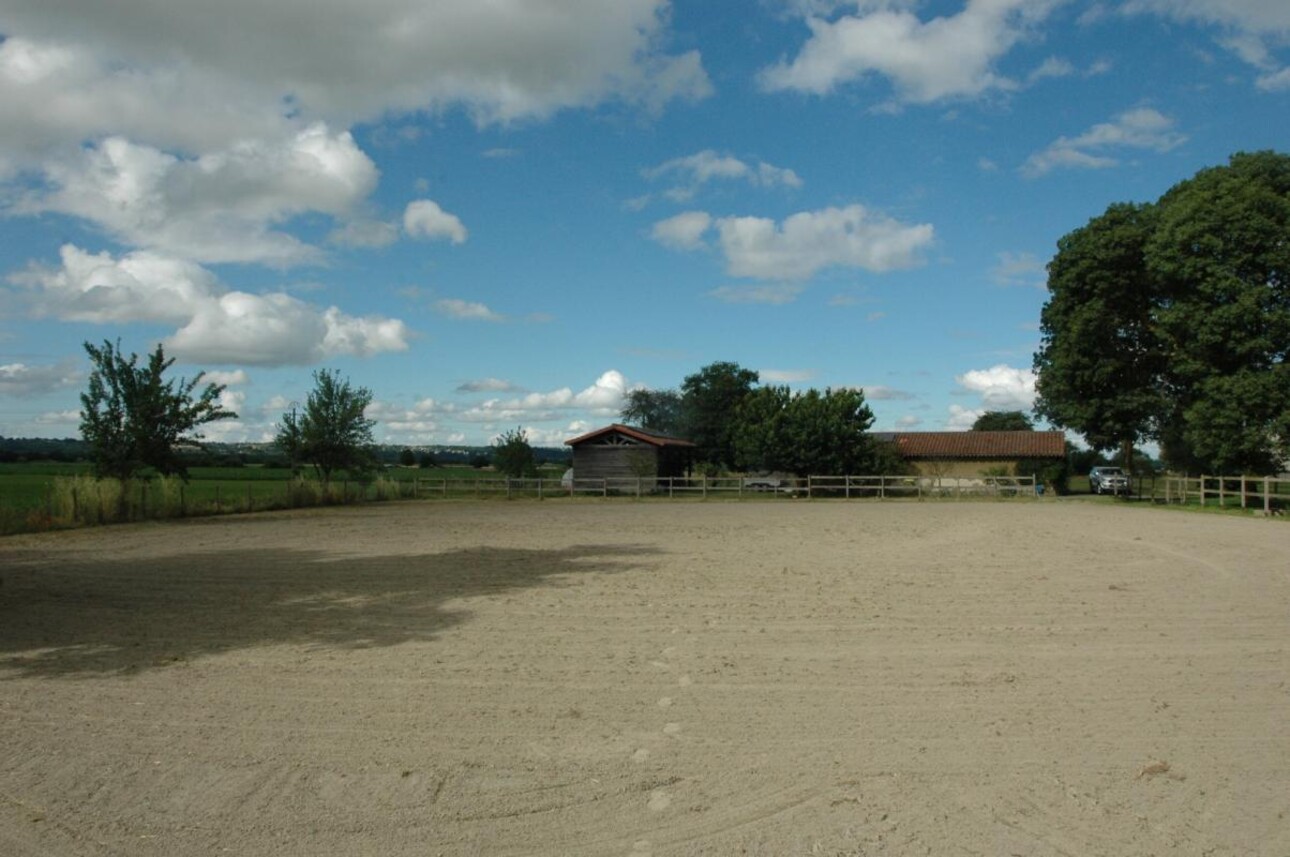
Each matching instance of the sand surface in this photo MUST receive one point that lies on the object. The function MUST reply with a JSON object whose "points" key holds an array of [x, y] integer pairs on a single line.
{"points": [[623, 678]]}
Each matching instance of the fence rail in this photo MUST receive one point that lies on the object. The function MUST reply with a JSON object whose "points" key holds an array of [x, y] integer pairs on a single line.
{"points": [[845, 487], [1268, 493]]}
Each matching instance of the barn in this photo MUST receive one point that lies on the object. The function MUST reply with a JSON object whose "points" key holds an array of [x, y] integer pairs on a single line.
{"points": [[619, 452], [975, 453]]}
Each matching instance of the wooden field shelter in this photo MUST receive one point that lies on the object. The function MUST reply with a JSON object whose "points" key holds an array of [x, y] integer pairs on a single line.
{"points": [[623, 453]]}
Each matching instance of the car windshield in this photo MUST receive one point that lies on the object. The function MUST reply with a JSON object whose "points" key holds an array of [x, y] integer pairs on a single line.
{"points": [[1111, 471]]}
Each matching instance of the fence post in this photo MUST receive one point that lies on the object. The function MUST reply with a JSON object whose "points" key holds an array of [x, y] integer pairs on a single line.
{"points": [[1267, 497], [508, 487], [1242, 490], [705, 486]]}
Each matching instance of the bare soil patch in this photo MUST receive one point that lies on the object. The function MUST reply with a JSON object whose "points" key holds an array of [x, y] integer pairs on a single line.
{"points": [[631, 678]]}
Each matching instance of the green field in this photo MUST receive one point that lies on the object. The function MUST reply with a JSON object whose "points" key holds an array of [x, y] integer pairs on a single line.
{"points": [[31, 486]]}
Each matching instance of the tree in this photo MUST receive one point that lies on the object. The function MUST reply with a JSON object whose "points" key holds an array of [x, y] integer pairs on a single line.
{"points": [[809, 433], [709, 400], [132, 419], [1003, 421], [1100, 359], [332, 433], [513, 455], [1172, 322], [427, 460], [407, 458], [657, 410], [1221, 258]]}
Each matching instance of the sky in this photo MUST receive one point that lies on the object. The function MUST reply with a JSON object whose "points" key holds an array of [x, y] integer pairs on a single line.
{"points": [[510, 214]]}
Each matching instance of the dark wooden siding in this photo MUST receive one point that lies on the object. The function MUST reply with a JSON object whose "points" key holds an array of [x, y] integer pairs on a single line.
{"points": [[609, 462]]}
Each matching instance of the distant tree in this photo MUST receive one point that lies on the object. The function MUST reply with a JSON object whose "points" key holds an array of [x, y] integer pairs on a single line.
{"points": [[132, 419], [427, 459], [479, 461], [332, 433], [407, 458], [1003, 421], [657, 410], [709, 400], [513, 455], [808, 433], [760, 434]]}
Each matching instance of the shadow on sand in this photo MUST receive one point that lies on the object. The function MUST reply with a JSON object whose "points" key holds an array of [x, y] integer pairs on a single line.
{"points": [[83, 618]]}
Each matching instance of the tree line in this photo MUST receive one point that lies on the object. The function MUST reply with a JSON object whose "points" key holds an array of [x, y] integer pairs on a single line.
{"points": [[736, 424], [135, 421]]}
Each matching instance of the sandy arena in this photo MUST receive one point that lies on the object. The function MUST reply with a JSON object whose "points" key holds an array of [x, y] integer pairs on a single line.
{"points": [[624, 678]]}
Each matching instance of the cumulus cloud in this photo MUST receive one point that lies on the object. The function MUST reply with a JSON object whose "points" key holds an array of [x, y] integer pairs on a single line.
{"points": [[466, 310], [216, 325], [1141, 128], [961, 418], [603, 398], [21, 380], [806, 242], [1001, 387], [926, 61], [684, 231], [222, 206], [693, 171], [503, 61], [425, 219]]}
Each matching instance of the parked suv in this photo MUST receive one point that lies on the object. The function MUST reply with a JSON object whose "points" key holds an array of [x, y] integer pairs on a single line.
{"points": [[1108, 480]]}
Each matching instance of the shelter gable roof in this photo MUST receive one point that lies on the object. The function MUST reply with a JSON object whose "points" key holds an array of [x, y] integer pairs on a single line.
{"points": [[979, 444], [649, 437]]}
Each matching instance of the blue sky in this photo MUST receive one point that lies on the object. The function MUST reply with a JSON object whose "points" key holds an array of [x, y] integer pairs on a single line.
{"points": [[510, 214]]}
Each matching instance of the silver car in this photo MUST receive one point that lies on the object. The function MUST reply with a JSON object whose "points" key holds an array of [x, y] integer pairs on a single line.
{"points": [[1108, 480]]}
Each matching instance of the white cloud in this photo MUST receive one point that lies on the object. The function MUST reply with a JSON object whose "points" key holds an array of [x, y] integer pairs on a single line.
{"points": [[1140, 128], [684, 231], [236, 378], [806, 242], [488, 385], [350, 62], [603, 398], [1001, 387], [1255, 16], [216, 325], [1276, 81], [219, 207], [946, 57], [881, 393], [961, 418], [466, 310], [693, 171], [20, 380], [787, 376], [425, 219]]}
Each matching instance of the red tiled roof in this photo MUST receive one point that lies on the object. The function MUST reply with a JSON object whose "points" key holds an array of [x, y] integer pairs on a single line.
{"points": [[980, 444], [652, 438]]}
